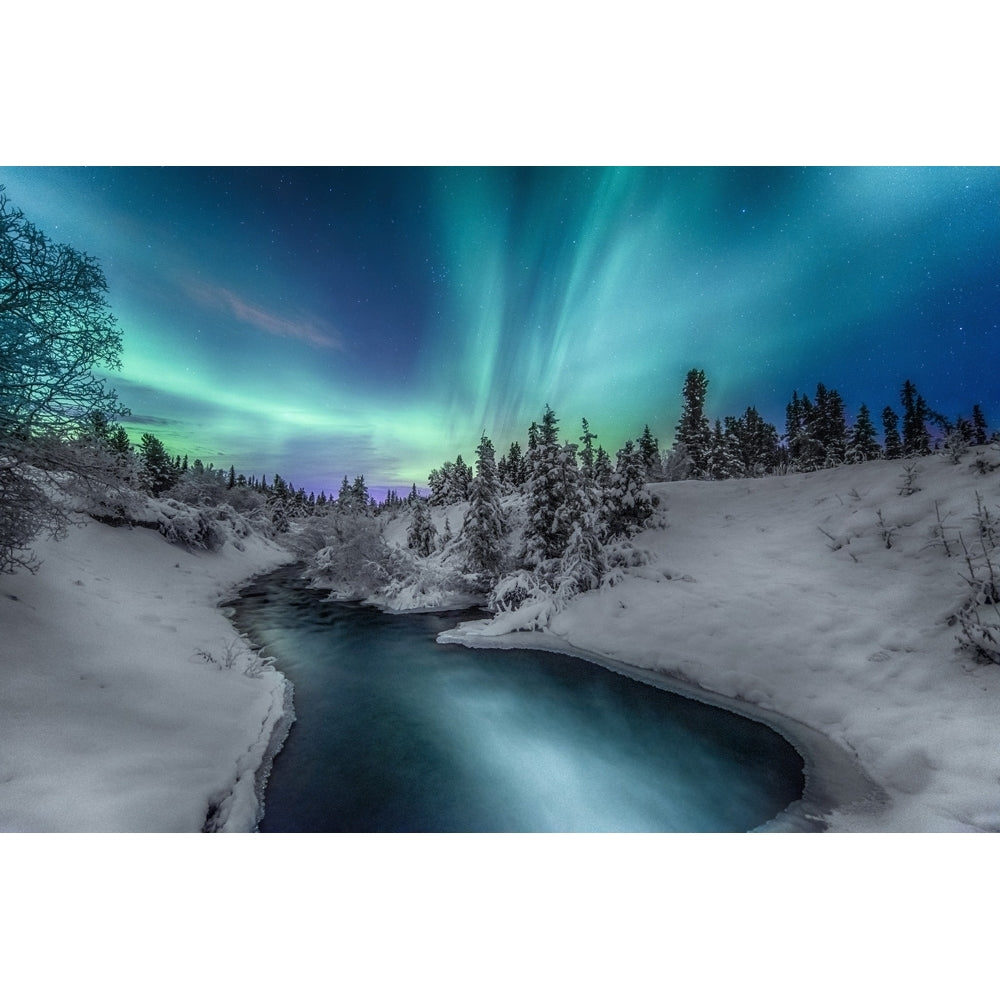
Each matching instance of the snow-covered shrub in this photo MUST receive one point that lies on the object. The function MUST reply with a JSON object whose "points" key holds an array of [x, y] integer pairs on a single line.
{"points": [[909, 477], [621, 555], [955, 445], [978, 619], [419, 583], [980, 630], [357, 561], [237, 654], [183, 525], [522, 602], [235, 522]]}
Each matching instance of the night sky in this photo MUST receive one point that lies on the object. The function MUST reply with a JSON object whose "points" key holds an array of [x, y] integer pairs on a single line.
{"points": [[322, 322]]}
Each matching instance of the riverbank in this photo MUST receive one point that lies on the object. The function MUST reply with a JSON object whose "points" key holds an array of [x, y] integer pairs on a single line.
{"points": [[127, 701], [829, 599], [833, 778]]}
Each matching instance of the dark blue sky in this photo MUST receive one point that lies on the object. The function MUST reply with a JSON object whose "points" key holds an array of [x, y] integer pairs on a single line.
{"points": [[323, 322]]}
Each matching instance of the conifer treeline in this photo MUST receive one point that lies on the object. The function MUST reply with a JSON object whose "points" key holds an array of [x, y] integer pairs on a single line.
{"points": [[816, 435]]}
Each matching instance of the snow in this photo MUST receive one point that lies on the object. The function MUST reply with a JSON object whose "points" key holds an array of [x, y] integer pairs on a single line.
{"points": [[748, 598], [113, 717], [127, 701]]}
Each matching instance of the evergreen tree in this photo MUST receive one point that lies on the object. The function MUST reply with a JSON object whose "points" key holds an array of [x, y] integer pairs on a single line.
{"points": [[649, 451], [587, 451], [344, 496], [752, 446], [462, 480], [359, 493], [231, 482], [916, 413], [862, 446], [979, 425], [422, 533], [517, 471], [484, 528], [721, 460], [693, 430], [119, 442], [829, 428], [158, 471], [890, 434], [435, 480], [603, 470], [557, 500], [627, 503], [798, 421]]}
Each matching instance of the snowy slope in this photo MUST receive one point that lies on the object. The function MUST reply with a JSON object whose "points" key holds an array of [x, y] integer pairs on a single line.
{"points": [[749, 598], [110, 717]]}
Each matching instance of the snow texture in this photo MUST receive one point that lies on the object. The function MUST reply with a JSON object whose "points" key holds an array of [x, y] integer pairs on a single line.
{"points": [[127, 701]]}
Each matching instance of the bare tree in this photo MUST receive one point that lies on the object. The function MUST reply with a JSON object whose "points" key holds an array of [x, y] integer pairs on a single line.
{"points": [[56, 334]]}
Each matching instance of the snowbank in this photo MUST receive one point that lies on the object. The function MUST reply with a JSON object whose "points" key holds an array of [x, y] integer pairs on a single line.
{"points": [[781, 595], [127, 701]]}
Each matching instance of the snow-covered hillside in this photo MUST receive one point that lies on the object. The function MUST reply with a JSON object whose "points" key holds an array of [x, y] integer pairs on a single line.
{"points": [[783, 593], [127, 702]]}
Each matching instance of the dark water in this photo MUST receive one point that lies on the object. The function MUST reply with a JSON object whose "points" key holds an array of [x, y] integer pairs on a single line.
{"points": [[397, 733]]}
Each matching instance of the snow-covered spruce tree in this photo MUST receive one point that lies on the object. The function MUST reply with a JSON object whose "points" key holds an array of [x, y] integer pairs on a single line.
{"points": [[803, 430], [979, 428], [158, 470], [626, 504], [517, 470], [484, 530], [693, 430], [450, 484], [861, 445], [890, 434], [676, 464], [754, 444], [721, 460], [586, 453], [603, 469], [829, 427], [422, 532], [649, 452], [916, 413], [558, 503]]}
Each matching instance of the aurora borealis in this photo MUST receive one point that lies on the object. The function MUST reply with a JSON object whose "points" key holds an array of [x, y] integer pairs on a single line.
{"points": [[323, 322]]}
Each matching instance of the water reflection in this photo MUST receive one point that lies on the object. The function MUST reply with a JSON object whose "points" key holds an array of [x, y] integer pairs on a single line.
{"points": [[397, 733]]}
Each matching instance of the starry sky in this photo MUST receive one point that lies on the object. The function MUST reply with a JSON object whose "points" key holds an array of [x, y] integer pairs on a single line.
{"points": [[323, 322]]}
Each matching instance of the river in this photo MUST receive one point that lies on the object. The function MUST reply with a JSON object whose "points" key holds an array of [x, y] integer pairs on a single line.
{"points": [[395, 732]]}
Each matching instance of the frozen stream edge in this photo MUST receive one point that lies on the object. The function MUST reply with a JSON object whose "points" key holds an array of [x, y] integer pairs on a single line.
{"points": [[834, 779]]}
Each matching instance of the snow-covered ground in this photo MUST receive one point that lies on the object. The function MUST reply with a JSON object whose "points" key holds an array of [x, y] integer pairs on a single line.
{"points": [[112, 715], [781, 593], [127, 702]]}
